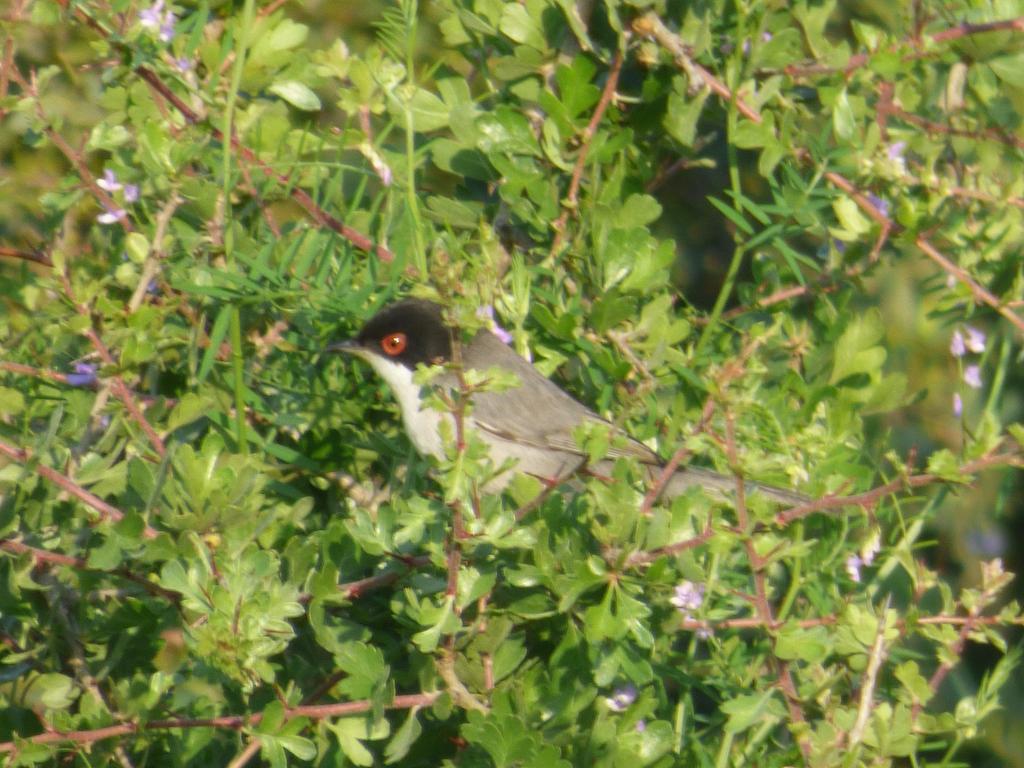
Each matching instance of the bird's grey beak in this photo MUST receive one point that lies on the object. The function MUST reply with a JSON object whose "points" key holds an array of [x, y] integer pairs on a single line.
{"points": [[348, 347]]}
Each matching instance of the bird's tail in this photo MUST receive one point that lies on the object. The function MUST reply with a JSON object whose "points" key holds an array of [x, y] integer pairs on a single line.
{"points": [[724, 486]]}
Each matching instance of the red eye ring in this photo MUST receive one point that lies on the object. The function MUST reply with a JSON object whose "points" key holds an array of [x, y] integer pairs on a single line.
{"points": [[394, 344]]}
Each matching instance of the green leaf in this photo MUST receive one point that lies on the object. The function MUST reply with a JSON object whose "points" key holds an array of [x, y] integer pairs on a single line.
{"points": [[683, 114], [406, 735], [843, 121], [298, 94], [429, 113], [518, 25], [49, 691], [12, 402], [637, 211], [858, 350], [752, 709]]}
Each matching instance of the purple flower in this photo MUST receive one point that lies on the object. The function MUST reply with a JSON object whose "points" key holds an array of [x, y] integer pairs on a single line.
{"points": [[766, 36], [487, 313], [150, 17], [868, 552], [972, 376], [853, 564], [688, 597], [84, 375], [957, 348], [155, 17], [167, 28], [622, 698], [182, 64], [111, 215], [975, 340], [704, 633], [958, 404], [641, 726], [882, 206], [896, 149], [109, 181]]}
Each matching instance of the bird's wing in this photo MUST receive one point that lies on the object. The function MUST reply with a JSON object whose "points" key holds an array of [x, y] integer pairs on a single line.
{"points": [[546, 418]]}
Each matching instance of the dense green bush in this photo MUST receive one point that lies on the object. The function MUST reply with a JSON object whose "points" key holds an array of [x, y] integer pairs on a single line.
{"points": [[217, 541]]}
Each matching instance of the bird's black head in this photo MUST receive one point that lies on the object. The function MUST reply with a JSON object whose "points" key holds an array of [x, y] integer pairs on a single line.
{"points": [[410, 331]]}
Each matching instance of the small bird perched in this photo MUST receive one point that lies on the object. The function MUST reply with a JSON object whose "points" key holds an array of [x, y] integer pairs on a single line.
{"points": [[532, 423]]}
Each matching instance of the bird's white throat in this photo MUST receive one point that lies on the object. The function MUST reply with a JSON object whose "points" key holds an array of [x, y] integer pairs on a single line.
{"points": [[421, 423]]}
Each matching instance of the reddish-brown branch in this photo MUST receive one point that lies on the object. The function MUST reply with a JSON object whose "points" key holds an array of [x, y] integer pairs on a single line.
{"points": [[300, 196], [73, 156], [859, 60], [650, 555], [872, 497], [962, 275], [233, 722], [753, 622], [318, 214], [932, 126], [19, 253], [762, 603], [120, 389], [650, 25], [57, 558], [107, 511], [572, 198]]}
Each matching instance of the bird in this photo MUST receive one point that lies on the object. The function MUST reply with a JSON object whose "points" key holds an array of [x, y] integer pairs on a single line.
{"points": [[532, 424]]}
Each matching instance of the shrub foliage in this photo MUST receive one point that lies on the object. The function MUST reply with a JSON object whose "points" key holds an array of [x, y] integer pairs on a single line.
{"points": [[219, 546]]}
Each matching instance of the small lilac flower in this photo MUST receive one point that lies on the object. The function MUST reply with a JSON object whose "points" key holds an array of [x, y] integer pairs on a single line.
{"points": [[150, 17], [853, 564], [622, 698], [868, 552], [975, 340], [704, 633], [487, 313], [155, 17], [882, 206], [167, 28], [958, 405], [111, 215], [84, 375], [641, 726], [957, 348], [896, 149], [746, 47], [182, 64], [688, 597], [109, 181], [131, 193], [766, 36], [839, 245], [972, 376]]}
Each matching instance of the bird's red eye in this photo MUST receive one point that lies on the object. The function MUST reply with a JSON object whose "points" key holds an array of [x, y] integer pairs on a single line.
{"points": [[394, 344]]}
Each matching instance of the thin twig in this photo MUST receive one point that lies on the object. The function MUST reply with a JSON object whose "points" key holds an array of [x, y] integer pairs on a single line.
{"points": [[107, 511], [572, 198], [869, 498], [979, 292], [120, 389], [57, 558], [232, 722]]}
